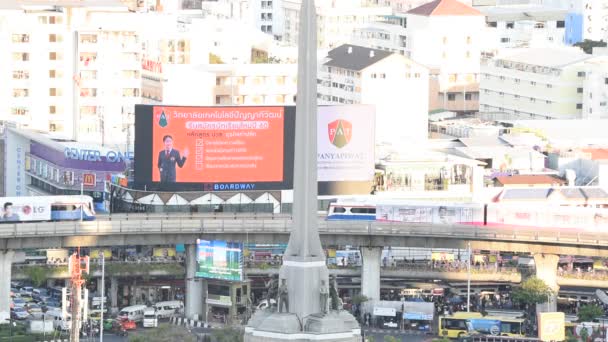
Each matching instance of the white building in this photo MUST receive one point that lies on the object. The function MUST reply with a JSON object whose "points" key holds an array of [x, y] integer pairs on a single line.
{"points": [[336, 20], [595, 88], [268, 16], [588, 20], [542, 83], [524, 26], [71, 71], [394, 84], [221, 84]]}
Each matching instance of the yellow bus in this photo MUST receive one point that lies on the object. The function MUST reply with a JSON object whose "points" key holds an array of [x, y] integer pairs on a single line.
{"points": [[497, 326], [455, 326], [459, 325]]}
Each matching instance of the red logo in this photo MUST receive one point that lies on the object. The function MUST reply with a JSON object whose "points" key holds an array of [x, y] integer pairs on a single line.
{"points": [[89, 179], [340, 132]]}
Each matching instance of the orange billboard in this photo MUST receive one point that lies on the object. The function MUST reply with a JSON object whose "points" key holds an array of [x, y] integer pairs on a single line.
{"points": [[217, 144]]}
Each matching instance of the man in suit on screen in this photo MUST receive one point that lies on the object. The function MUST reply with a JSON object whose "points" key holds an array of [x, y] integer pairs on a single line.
{"points": [[167, 158]]}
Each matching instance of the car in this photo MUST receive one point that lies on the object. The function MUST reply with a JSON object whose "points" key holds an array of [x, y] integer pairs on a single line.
{"points": [[27, 290], [127, 324], [19, 314], [18, 303], [27, 298]]}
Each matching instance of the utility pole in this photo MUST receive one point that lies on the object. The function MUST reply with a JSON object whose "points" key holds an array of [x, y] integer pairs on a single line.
{"points": [[468, 276], [103, 285], [76, 268]]}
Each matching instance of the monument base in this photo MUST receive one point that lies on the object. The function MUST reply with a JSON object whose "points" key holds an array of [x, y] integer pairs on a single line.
{"points": [[336, 326]]}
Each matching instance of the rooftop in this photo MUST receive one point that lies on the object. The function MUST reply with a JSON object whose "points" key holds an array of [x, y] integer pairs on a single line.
{"points": [[529, 179], [445, 8], [353, 57], [552, 57]]}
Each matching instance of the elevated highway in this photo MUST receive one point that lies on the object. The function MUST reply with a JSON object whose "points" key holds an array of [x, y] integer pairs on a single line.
{"points": [[150, 229]]}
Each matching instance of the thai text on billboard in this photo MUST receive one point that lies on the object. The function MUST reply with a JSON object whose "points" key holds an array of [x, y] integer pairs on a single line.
{"points": [[20, 209], [217, 144], [219, 260]]}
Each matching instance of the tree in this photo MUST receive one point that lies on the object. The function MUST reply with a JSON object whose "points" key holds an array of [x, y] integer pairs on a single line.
{"points": [[228, 334], [359, 298], [532, 291], [37, 275], [587, 45], [588, 313]]}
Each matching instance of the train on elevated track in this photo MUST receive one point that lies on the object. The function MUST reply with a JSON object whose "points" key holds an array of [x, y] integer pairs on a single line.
{"points": [[532, 216]]}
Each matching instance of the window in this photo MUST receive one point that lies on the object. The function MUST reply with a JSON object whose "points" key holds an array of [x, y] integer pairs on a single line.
{"points": [[21, 74], [19, 111], [55, 20], [21, 56], [382, 75], [561, 24], [517, 80], [54, 56], [55, 38], [453, 78], [579, 106], [469, 40], [504, 40], [53, 109], [468, 96], [54, 92], [374, 75], [54, 74], [549, 85], [501, 93], [517, 96], [468, 54], [417, 75], [532, 83], [20, 38], [510, 25], [602, 104], [579, 90], [445, 40], [451, 97], [606, 80], [532, 100], [492, 24], [580, 74], [539, 25], [21, 92], [218, 99]]}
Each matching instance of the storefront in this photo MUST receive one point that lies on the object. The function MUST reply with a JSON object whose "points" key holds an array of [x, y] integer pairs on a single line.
{"points": [[44, 167]]}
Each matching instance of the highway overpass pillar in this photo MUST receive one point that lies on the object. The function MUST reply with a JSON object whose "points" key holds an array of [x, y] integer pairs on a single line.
{"points": [[370, 272], [194, 287], [6, 263], [546, 269], [113, 294]]}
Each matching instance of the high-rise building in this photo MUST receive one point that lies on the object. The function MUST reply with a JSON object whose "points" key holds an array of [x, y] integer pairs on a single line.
{"points": [[336, 20], [394, 84], [545, 83], [72, 71], [587, 19]]}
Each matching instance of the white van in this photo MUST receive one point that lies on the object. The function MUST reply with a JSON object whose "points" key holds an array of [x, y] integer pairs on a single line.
{"points": [[168, 309], [133, 313], [150, 318]]}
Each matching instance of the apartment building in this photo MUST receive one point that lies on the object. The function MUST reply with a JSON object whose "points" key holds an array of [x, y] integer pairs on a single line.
{"points": [[81, 65], [544, 83], [222, 84], [393, 83], [524, 26], [336, 20], [586, 19], [268, 16]]}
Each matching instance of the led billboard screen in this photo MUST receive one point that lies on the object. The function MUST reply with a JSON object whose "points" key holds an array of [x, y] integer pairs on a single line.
{"points": [[219, 260], [214, 148], [248, 148]]}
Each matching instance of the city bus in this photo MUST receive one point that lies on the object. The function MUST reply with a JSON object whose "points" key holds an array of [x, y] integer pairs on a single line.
{"points": [[455, 326]]}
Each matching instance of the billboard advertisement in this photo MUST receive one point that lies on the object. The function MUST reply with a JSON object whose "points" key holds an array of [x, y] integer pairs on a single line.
{"points": [[219, 260], [214, 148], [345, 148], [547, 216], [16, 209], [250, 148], [430, 213], [551, 326]]}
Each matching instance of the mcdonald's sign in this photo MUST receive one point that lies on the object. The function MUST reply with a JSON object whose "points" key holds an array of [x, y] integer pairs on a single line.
{"points": [[89, 179]]}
